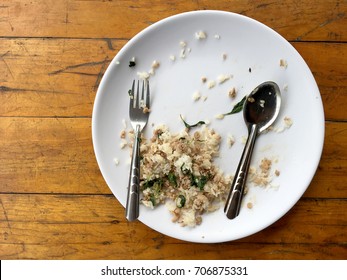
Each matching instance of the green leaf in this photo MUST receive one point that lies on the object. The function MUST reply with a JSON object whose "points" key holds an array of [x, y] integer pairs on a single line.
{"points": [[198, 181], [189, 126], [172, 179], [153, 200], [201, 182], [155, 183], [180, 201], [237, 108]]}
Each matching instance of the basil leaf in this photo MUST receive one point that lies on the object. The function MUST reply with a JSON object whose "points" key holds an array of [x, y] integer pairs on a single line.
{"points": [[238, 107], [156, 182], [198, 181], [180, 201], [153, 200], [172, 179], [189, 126], [201, 182]]}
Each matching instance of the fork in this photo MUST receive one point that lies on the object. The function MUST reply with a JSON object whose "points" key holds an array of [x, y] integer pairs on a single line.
{"points": [[138, 113]]}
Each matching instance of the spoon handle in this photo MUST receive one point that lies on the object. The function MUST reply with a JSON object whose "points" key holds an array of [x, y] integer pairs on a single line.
{"points": [[233, 203]]}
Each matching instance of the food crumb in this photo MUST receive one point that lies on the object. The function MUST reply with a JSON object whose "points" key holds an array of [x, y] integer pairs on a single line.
{"points": [[203, 79], [249, 205], [265, 165], [183, 51], [219, 116], [288, 122], [204, 98], [230, 140], [143, 75], [172, 57], [224, 56], [232, 93], [146, 110], [277, 172], [211, 84], [283, 63], [223, 78], [217, 36], [261, 176], [196, 96], [123, 134], [123, 144], [262, 103], [116, 161], [155, 64], [200, 35], [183, 44]]}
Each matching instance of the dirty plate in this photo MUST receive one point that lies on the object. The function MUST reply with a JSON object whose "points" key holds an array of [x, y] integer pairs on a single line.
{"points": [[251, 53]]}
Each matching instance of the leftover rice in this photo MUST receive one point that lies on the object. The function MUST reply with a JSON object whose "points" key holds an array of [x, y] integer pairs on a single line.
{"points": [[178, 170]]}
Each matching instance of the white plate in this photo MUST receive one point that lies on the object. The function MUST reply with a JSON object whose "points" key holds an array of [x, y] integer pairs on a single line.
{"points": [[249, 45]]}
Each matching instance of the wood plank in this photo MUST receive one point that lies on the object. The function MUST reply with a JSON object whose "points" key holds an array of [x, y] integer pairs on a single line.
{"points": [[328, 63], [58, 77], [75, 211], [304, 20], [44, 77], [48, 155], [72, 227], [331, 176], [55, 155], [97, 251]]}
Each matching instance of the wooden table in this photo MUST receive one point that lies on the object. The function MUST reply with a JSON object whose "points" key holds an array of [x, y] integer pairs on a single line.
{"points": [[54, 203]]}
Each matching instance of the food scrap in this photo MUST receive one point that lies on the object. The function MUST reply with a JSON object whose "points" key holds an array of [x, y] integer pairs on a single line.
{"points": [[178, 170]]}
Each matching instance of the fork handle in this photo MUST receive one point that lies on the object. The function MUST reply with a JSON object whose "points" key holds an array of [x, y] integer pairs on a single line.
{"points": [[133, 197]]}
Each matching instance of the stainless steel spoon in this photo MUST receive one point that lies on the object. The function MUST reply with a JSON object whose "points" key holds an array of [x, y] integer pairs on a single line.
{"points": [[260, 110]]}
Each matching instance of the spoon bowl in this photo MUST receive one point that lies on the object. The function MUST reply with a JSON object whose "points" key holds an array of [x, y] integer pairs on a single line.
{"points": [[260, 110], [262, 105]]}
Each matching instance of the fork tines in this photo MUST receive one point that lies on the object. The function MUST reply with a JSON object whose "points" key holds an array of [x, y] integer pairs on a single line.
{"points": [[143, 102]]}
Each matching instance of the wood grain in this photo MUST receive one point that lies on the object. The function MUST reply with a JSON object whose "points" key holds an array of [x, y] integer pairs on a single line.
{"points": [[48, 155], [47, 77], [307, 20]]}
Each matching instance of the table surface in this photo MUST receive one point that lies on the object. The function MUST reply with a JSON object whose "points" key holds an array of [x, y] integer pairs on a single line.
{"points": [[54, 202]]}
